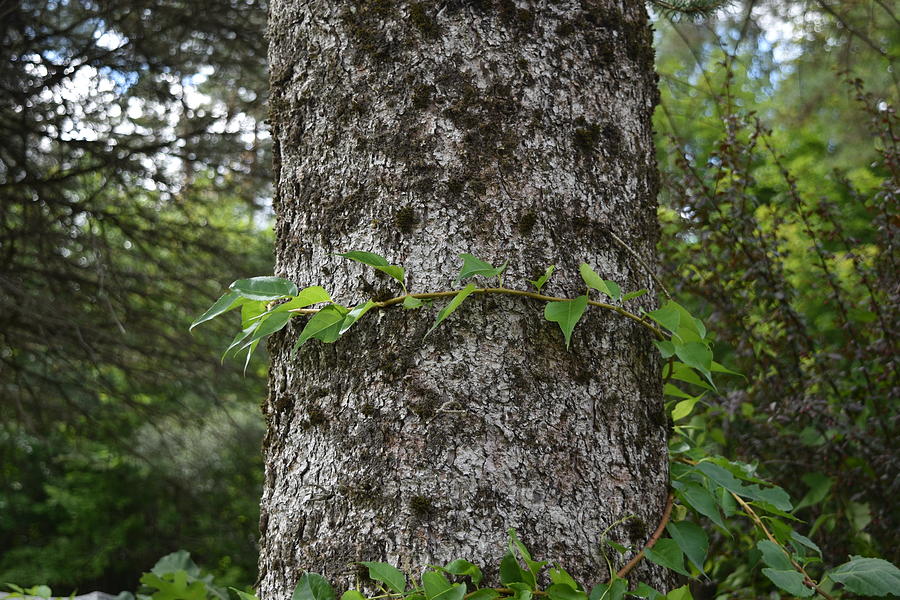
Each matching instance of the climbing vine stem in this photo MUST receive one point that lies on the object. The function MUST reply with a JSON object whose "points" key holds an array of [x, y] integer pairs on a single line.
{"points": [[704, 486]]}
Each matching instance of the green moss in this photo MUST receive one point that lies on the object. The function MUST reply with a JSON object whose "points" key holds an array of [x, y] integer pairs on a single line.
{"points": [[363, 23], [585, 136], [455, 186], [526, 18], [526, 222], [315, 417], [421, 98], [565, 29], [637, 529], [424, 22], [424, 407], [478, 187], [405, 219], [367, 409], [421, 506]]}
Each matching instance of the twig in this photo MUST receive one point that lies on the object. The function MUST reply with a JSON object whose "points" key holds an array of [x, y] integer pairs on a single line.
{"points": [[667, 514]]}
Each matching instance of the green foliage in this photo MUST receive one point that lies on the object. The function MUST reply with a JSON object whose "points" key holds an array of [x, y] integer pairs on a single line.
{"points": [[378, 262], [868, 576], [779, 213], [543, 279], [703, 482], [452, 306], [473, 266], [566, 313], [133, 171]]}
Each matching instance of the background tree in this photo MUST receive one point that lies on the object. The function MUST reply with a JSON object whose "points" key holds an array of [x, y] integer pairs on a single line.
{"points": [[133, 169], [518, 131], [779, 159]]}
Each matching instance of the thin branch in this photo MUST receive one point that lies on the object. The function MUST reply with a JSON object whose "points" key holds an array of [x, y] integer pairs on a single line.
{"points": [[667, 514]]}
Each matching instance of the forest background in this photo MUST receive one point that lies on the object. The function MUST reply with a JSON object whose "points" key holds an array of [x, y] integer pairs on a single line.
{"points": [[135, 183]]}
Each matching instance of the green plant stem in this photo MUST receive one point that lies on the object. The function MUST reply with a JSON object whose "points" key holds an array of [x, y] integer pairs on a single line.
{"points": [[510, 292], [810, 582]]}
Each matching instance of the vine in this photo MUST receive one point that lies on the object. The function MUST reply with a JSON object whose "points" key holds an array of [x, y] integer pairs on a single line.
{"points": [[707, 485]]}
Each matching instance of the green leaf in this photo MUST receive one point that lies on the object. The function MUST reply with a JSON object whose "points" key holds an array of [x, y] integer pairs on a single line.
{"points": [[682, 593], [567, 313], [666, 553], [387, 574], [510, 570], [614, 289], [521, 591], [229, 300], [466, 569], [377, 262], [682, 372], [632, 296], [435, 584], [605, 286], [352, 595], [700, 499], [176, 561], [591, 279], [484, 594], [867, 576], [41, 591], [692, 540], [409, 303], [540, 281], [790, 581], [313, 587], [642, 590], [563, 591], [615, 590], [267, 326], [671, 390], [475, 266], [313, 294], [668, 316], [325, 325], [718, 368], [684, 408], [242, 595], [250, 351], [534, 566], [802, 540], [618, 547], [696, 355], [819, 486], [452, 306], [774, 556], [559, 575], [775, 496], [355, 315], [264, 288], [175, 586], [457, 592], [666, 347], [859, 514], [252, 310]]}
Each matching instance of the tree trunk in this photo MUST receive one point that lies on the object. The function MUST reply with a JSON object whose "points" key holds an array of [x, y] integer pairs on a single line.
{"points": [[514, 130]]}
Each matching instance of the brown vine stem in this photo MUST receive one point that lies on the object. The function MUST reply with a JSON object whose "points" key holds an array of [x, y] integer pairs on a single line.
{"points": [[809, 581], [533, 295], [667, 514]]}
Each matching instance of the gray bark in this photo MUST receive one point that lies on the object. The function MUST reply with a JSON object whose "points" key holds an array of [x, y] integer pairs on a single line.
{"points": [[514, 130]]}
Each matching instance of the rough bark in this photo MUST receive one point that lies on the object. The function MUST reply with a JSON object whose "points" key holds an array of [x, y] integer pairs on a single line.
{"points": [[514, 130]]}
